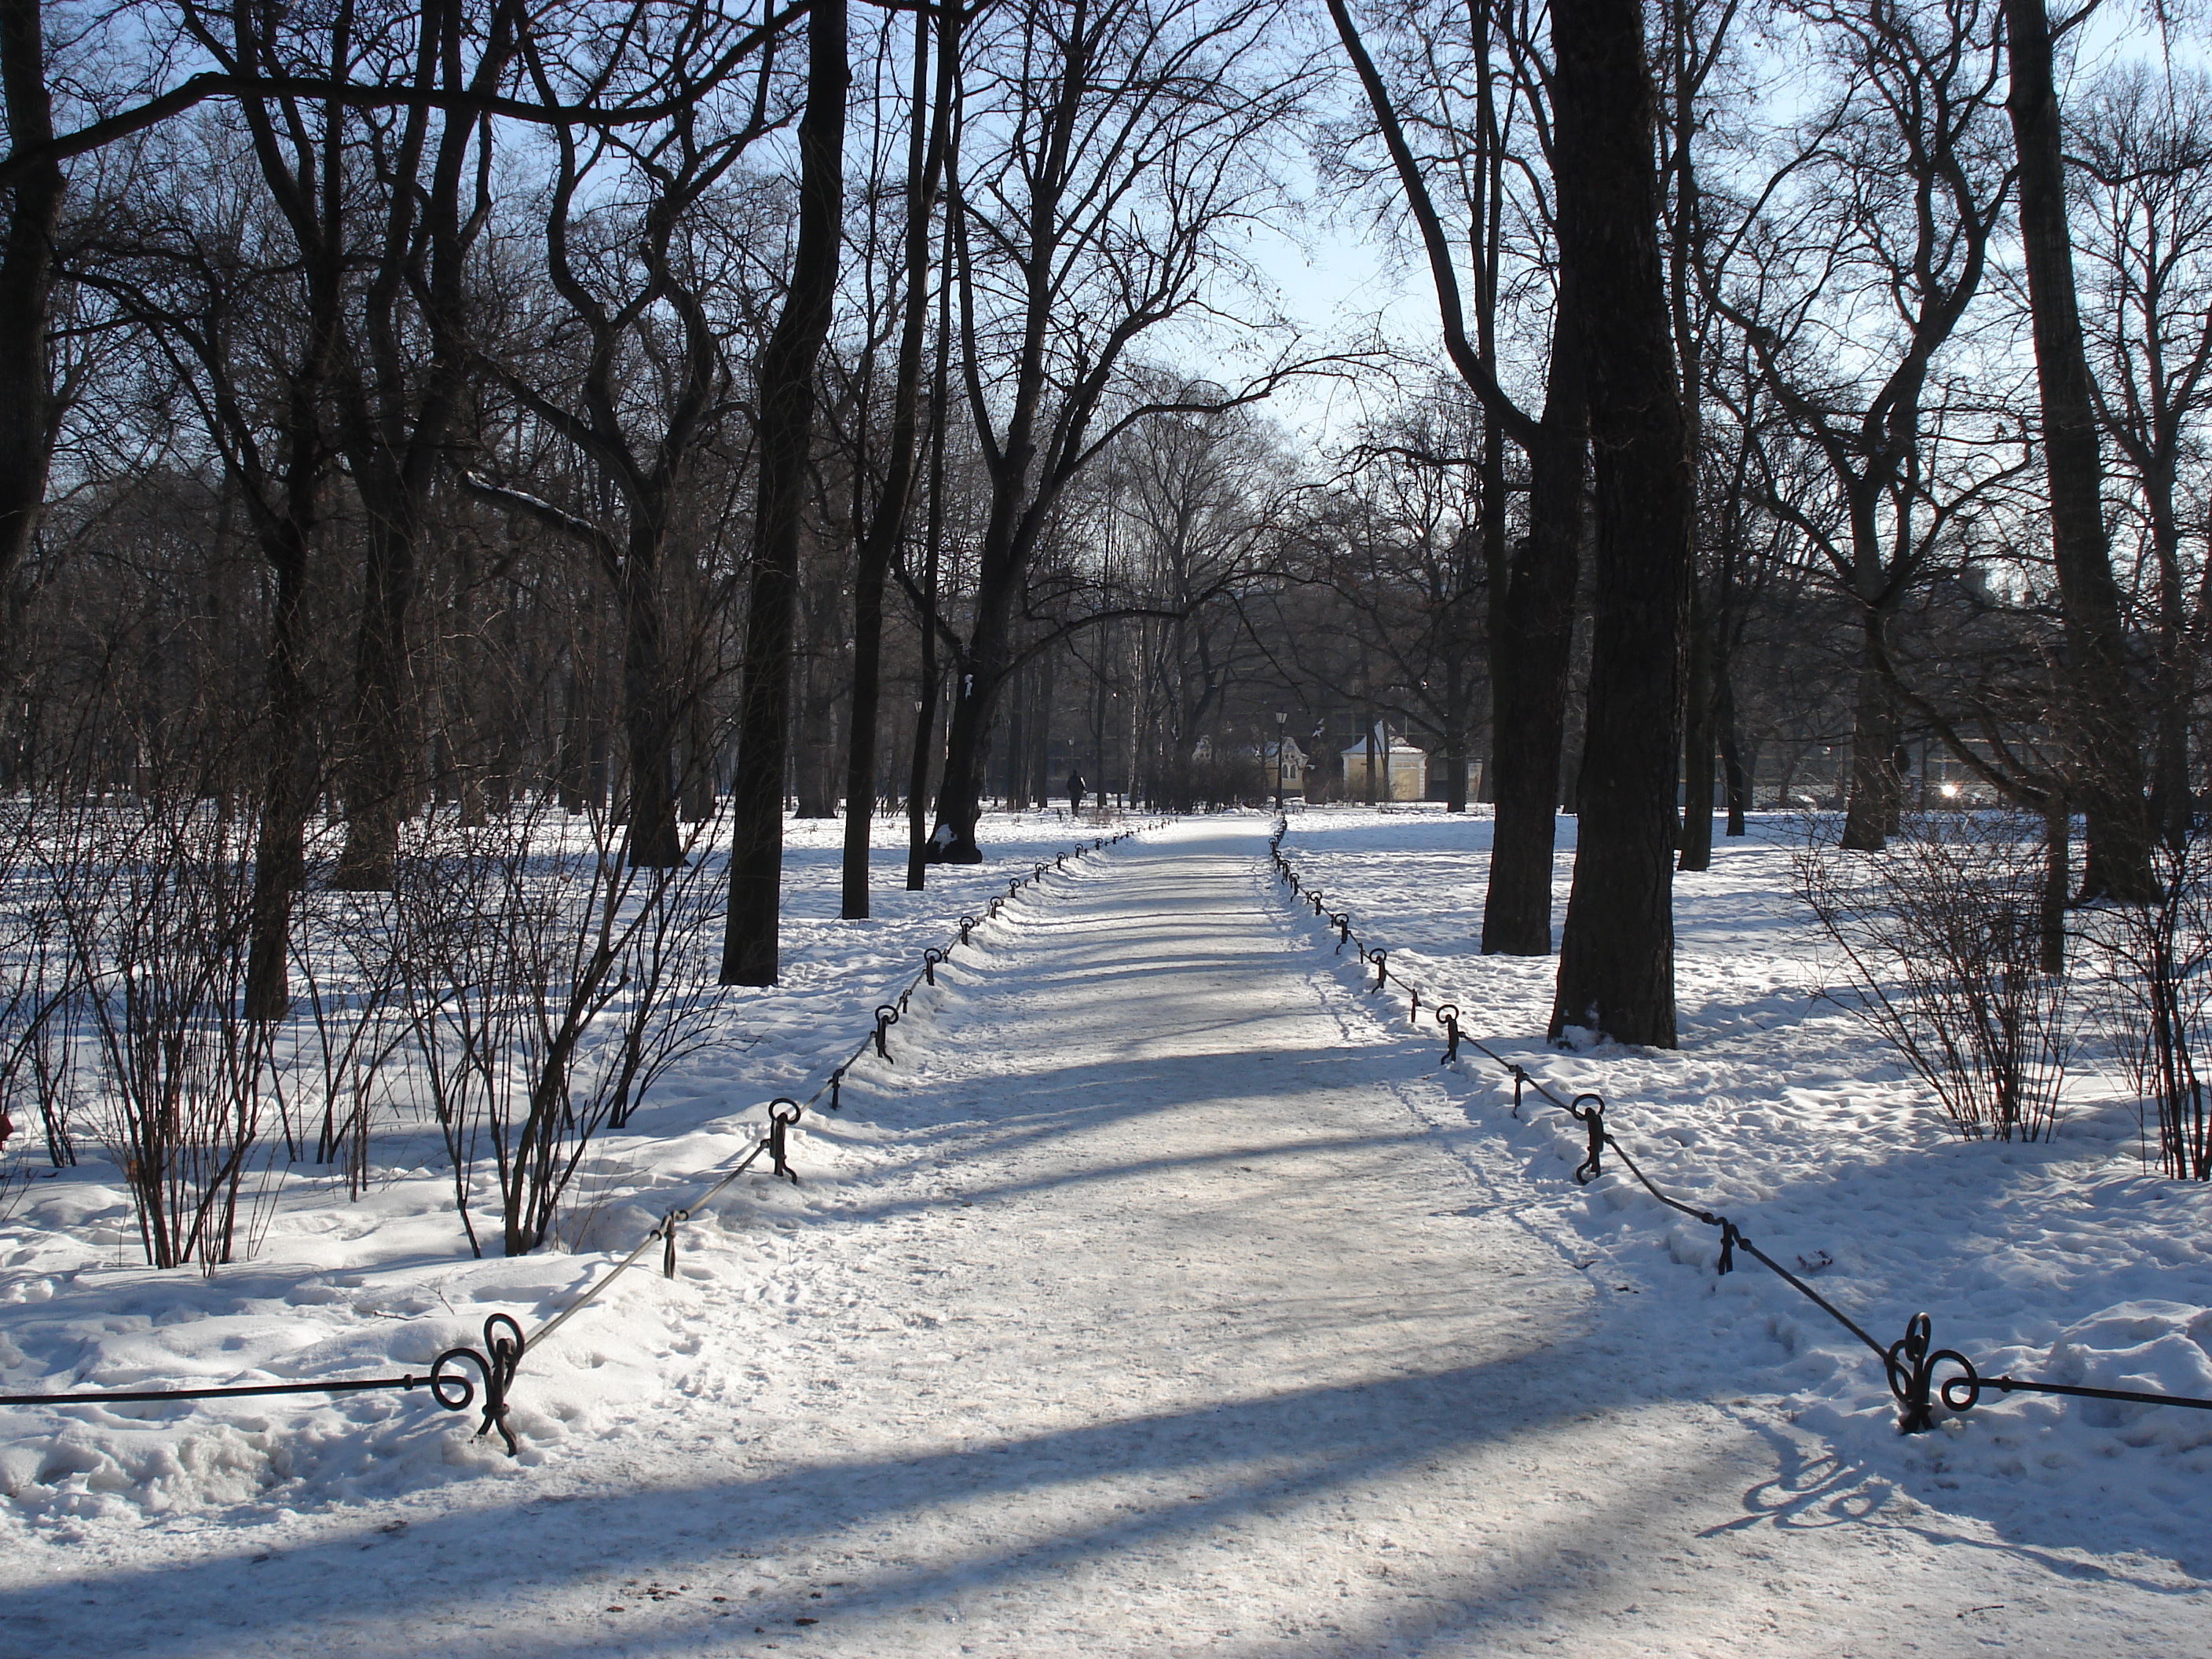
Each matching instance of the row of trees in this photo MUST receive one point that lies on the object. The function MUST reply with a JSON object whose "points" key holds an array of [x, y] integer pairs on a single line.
{"points": [[641, 402]]}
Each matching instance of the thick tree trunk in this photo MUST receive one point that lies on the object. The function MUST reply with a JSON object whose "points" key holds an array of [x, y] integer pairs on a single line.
{"points": [[654, 841], [1532, 639], [2111, 788], [814, 761], [381, 767], [750, 930], [27, 282], [967, 744], [288, 796], [1871, 807], [1617, 950]]}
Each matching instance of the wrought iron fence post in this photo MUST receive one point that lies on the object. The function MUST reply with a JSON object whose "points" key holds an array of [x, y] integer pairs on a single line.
{"points": [[779, 1126]]}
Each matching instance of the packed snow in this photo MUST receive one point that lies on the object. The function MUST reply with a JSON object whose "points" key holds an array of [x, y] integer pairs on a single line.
{"points": [[1166, 1295]]}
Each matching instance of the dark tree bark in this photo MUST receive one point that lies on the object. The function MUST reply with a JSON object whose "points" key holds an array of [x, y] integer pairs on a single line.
{"points": [[1532, 593], [1532, 642], [922, 764], [1616, 951], [750, 930], [926, 139], [27, 283], [2110, 789], [1698, 744]]}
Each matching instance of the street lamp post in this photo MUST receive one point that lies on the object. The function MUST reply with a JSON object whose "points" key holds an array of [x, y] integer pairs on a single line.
{"points": [[1282, 715]]}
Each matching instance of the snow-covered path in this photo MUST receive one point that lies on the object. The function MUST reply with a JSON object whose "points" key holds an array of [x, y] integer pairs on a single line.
{"points": [[1165, 1304]]}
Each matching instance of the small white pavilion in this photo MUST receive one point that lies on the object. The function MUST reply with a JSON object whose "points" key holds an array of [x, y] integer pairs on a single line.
{"points": [[1402, 771]]}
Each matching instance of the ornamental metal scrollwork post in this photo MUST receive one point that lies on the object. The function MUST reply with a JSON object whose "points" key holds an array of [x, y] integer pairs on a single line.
{"points": [[496, 1367], [1592, 1118], [1446, 1016], [1912, 1362], [779, 1127]]}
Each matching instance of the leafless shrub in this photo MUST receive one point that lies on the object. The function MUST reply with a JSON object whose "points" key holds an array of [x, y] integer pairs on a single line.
{"points": [[153, 893], [548, 983], [1938, 943], [2154, 965], [38, 1015], [349, 1027]]}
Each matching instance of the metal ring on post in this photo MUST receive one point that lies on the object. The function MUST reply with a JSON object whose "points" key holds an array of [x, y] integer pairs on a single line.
{"points": [[1592, 1118], [1382, 973], [496, 1366], [667, 1231], [1342, 922], [1446, 1015], [967, 927], [997, 905], [778, 1125], [1912, 1362], [930, 958], [886, 1016]]}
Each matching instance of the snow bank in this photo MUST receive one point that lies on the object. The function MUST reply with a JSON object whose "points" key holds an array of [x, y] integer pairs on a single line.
{"points": [[2067, 1260], [379, 1284]]}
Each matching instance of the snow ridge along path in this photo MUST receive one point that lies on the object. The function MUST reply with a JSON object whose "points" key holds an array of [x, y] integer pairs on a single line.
{"points": [[1160, 1299]]}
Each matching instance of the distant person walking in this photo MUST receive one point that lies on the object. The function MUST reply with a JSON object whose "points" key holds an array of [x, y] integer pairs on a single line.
{"points": [[1076, 789]]}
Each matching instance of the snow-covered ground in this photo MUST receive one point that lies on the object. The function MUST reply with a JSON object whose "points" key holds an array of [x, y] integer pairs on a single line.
{"points": [[1168, 1297], [379, 1285]]}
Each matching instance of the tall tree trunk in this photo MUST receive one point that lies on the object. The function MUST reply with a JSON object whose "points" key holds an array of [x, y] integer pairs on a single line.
{"points": [[27, 284], [649, 706], [926, 164], [2170, 802], [1871, 807], [925, 695], [382, 764], [974, 712], [1734, 780], [288, 793], [1017, 742], [1455, 721], [1040, 758], [1617, 950], [1532, 641], [2111, 786], [751, 929], [1697, 842]]}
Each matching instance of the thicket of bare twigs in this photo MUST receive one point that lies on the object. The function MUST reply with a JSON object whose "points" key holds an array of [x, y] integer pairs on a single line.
{"points": [[1938, 948]]}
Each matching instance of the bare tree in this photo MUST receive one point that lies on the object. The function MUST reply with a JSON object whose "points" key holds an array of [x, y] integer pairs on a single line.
{"points": [[786, 392], [2143, 178], [1875, 229], [2100, 704], [1098, 190], [1617, 947], [1532, 588]]}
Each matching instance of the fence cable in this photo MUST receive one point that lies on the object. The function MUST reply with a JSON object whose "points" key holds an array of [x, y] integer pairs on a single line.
{"points": [[1912, 1364], [496, 1363]]}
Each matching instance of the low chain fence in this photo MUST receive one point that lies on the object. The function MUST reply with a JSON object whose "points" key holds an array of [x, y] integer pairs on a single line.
{"points": [[1919, 1373], [465, 1377]]}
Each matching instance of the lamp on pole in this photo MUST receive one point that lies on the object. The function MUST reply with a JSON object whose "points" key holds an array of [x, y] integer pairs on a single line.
{"points": [[1282, 715]]}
